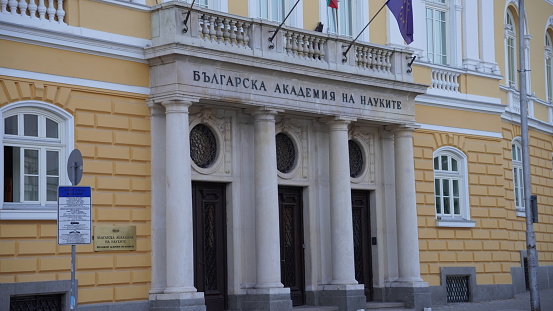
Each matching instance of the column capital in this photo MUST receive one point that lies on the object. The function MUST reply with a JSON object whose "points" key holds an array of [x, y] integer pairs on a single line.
{"points": [[336, 120], [266, 113], [156, 109], [407, 128], [176, 106]]}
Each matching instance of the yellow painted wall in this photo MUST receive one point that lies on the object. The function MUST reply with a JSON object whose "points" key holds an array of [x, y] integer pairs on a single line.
{"points": [[477, 85], [457, 118], [238, 7], [108, 18], [41, 59], [493, 245], [541, 112], [377, 27], [311, 13], [112, 133]]}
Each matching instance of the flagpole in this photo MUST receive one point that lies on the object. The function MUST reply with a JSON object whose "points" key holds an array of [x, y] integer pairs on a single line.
{"points": [[345, 58], [280, 26]]}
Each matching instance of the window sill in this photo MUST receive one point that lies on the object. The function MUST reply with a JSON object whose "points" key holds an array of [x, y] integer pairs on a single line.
{"points": [[521, 213], [458, 223], [27, 212]]}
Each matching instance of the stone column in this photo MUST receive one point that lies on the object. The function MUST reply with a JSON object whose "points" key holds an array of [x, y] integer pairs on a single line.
{"points": [[268, 293], [179, 293], [343, 290], [159, 260], [409, 287], [267, 234], [341, 224], [180, 250], [406, 211]]}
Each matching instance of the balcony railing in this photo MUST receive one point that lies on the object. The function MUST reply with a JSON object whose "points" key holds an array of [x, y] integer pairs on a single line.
{"points": [[215, 30], [46, 10], [445, 80]]}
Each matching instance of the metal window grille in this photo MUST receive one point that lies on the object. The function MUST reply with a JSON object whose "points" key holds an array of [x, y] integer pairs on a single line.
{"points": [[37, 303], [457, 288]]}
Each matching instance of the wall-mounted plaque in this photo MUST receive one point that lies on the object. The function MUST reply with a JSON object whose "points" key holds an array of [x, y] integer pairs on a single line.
{"points": [[114, 238]]}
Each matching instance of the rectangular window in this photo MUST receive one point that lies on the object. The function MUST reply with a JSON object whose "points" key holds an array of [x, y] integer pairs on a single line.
{"points": [[271, 10], [511, 63], [549, 79], [436, 26], [340, 21]]}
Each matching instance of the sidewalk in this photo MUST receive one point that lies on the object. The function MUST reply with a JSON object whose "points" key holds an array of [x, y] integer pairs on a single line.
{"points": [[521, 302]]}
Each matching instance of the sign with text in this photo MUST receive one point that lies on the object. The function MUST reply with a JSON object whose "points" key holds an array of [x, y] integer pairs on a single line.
{"points": [[74, 215], [114, 238]]}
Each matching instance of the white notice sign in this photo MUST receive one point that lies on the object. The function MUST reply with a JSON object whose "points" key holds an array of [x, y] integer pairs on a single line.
{"points": [[74, 215]]}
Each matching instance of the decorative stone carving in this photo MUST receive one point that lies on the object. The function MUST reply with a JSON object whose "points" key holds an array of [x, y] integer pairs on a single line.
{"points": [[298, 133], [365, 140], [221, 128]]}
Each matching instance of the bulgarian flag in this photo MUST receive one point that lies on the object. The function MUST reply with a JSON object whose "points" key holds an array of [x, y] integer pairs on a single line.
{"points": [[332, 3]]}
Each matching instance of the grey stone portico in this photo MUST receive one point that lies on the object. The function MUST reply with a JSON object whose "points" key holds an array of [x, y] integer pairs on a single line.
{"points": [[221, 71]]}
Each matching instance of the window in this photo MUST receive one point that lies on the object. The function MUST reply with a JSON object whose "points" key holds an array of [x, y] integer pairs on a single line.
{"points": [[340, 20], [518, 180], [34, 148], [436, 31], [510, 49], [451, 188], [548, 67], [273, 10]]}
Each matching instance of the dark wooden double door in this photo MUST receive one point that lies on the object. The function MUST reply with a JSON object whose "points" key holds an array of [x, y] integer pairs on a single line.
{"points": [[210, 262], [362, 240]]}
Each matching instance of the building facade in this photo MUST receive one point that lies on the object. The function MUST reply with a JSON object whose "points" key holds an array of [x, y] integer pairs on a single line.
{"points": [[265, 167]]}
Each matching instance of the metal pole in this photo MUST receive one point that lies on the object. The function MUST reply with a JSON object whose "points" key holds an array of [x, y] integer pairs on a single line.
{"points": [[73, 302], [530, 235]]}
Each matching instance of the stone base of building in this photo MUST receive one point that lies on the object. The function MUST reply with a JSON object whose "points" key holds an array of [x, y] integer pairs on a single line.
{"points": [[345, 297], [273, 299], [416, 298], [177, 302]]}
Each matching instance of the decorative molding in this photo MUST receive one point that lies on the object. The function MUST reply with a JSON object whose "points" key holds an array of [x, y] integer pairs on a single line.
{"points": [[366, 141], [458, 130], [298, 133], [73, 81], [222, 129], [70, 38]]}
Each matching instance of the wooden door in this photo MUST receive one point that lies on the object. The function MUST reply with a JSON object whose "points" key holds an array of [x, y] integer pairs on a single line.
{"points": [[291, 242], [210, 274], [362, 240]]}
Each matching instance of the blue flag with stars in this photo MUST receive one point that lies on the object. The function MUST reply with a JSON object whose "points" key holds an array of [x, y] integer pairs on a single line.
{"points": [[403, 11]]}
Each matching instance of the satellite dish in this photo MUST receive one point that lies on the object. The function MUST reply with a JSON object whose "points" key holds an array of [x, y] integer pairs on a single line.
{"points": [[75, 167]]}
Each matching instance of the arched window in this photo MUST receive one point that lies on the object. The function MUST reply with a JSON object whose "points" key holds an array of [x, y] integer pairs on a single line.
{"points": [[451, 188], [510, 49], [518, 181], [548, 67], [36, 138]]}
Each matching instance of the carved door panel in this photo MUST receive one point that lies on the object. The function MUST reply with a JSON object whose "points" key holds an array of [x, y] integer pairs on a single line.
{"points": [[362, 240], [210, 274], [291, 242]]}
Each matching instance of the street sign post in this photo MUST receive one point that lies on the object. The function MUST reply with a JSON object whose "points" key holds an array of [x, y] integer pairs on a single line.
{"points": [[74, 215]]}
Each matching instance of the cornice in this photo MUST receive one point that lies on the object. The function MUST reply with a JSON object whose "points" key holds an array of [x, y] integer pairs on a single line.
{"points": [[75, 39]]}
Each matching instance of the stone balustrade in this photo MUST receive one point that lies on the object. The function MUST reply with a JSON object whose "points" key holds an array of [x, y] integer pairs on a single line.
{"points": [[46, 10], [445, 80], [249, 37]]}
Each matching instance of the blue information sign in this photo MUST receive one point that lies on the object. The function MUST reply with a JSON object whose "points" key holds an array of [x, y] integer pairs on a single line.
{"points": [[74, 215]]}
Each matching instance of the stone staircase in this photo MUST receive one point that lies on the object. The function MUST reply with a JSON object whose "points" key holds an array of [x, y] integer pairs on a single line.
{"points": [[371, 306]]}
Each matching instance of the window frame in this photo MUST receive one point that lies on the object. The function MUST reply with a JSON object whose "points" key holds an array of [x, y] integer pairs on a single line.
{"points": [[431, 36], [511, 44], [42, 209], [548, 56], [461, 175], [518, 177], [345, 8], [295, 19]]}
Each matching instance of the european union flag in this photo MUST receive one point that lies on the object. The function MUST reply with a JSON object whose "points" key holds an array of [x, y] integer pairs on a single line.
{"points": [[403, 11]]}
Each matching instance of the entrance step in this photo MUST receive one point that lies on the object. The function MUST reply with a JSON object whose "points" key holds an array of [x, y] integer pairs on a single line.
{"points": [[316, 308], [386, 306]]}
